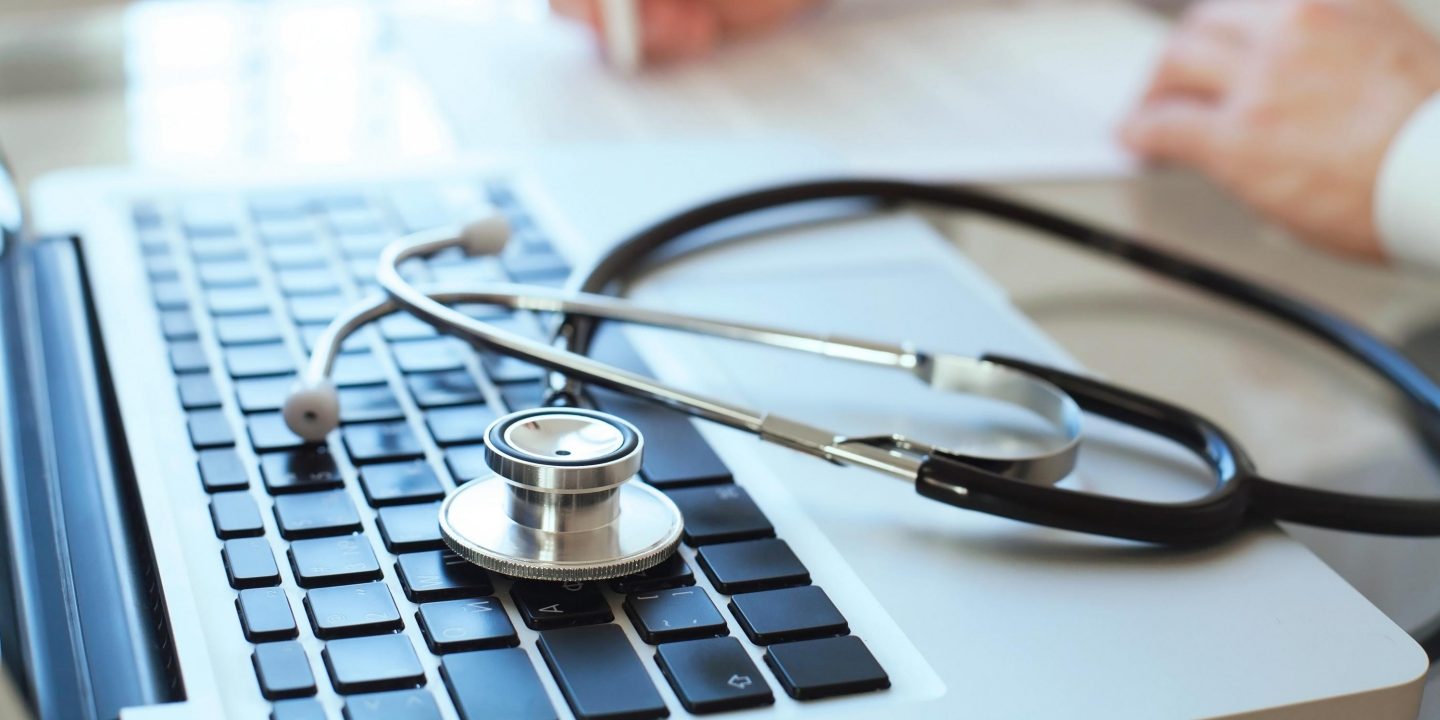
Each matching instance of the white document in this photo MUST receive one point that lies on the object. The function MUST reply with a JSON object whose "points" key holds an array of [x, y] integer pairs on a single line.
{"points": [[932, 89]]}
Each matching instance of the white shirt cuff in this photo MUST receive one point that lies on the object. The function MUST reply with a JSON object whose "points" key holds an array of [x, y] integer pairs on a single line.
{"points": [[1407, 193]]}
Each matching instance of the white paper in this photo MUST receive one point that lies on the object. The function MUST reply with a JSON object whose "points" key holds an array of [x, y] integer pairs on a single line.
{"points": [[932, 89]]}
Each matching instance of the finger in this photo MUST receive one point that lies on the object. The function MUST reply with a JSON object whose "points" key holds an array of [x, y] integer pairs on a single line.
{"points": [[677, 29], [1194, 65], [582, 10], [1180, 130]]}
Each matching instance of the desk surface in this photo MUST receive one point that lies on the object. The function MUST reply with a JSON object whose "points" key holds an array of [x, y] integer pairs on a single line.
{"points": [[79, 87]]}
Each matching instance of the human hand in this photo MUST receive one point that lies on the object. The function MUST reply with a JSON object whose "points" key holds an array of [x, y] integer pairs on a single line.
{"points": [[672, 30], [1290, 105]]}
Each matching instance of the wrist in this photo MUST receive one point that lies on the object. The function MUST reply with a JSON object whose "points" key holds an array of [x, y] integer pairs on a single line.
{"points": [[1407, 191]]}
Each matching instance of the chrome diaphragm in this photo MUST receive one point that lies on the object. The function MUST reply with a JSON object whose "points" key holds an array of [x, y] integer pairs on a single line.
{"points": [[560, 505]]}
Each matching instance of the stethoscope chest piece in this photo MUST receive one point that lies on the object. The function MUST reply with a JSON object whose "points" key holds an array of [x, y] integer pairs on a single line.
{"points": [[560, 505]]}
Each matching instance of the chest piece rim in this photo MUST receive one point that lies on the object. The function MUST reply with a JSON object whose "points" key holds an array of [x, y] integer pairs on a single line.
{"points": [[560, 505]]}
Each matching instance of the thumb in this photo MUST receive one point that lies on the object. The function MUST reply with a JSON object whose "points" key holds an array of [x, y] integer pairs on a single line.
{"points": [[1177, 130]]}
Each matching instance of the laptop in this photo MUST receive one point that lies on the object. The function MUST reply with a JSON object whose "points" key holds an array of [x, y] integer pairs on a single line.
{"points": [[175, 552]]}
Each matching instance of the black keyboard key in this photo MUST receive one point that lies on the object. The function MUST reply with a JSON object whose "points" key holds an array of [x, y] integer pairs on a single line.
{"points": [[719, 513], [219, 246], [404, 326], [222, 469], [358, 342], [295, 233], [440, 575], [368, 403], [250, 563], [674, 614], [162, 267], [281, 208], [454, 387], [409, 528], [468, 271], [826, 667], [317, 308], [326, 561], [197, 390], [545, 605], [522, 396], [796, 613], [505, 369], [495, 684], [433, 355], [316, 514], [188, 356], [177, 325], [283, 670], [298, 709], [364, 271], [599, 673], [677, 456], [265, 615], [751, 565], [226, 273], [467, 463], [247, 329], [713, 675], [207, 216], [392, 705], [671, 573], [420, 207], [309, 468], [349, 610], [235, 515], [236, 301], [367, 664], [363, 245], [535, 267], [408, 481], [675, 453], [209, 428], [268, 432], [359, 368], [381, 441], [520, 323], [289, 256], [460, 424], [471, 624], [257, 360], [307, 281], [170, 295], [263, 394]]}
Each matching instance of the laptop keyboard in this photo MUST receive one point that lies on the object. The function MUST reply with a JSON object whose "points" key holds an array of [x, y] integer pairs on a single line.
{"points": [[333, 550]]}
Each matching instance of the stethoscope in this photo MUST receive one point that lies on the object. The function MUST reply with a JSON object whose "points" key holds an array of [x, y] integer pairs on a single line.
{"points": [[560, 505]]}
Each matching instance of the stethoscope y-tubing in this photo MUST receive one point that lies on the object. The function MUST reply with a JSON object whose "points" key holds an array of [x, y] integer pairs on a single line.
{"points": [[1266, 498]]}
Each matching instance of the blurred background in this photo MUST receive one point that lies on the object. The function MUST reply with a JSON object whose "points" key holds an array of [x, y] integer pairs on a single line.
{"points": [[181, 84]]}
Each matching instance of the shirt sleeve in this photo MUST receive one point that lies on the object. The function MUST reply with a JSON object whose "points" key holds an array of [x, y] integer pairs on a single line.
{"points": [[1407, 193]]}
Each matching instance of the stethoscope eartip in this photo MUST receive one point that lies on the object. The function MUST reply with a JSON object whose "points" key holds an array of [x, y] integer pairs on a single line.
{"points": [[312, 411], [486, 236]]}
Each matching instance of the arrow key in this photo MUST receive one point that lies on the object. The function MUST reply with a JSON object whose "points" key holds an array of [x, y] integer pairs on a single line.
{"points": [[546, 605], [713, 675]]}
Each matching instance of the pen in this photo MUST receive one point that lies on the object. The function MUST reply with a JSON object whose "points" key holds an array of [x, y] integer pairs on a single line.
{"points": [[620, 20]]}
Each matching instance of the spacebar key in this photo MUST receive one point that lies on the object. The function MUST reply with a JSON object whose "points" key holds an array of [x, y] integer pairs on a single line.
{"points": [[600, 675]]}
